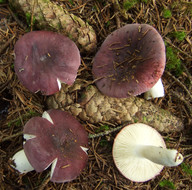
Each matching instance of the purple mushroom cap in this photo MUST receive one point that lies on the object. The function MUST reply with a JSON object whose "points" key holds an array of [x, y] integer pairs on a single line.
{"points": [[130, 61], [61, 142], [43, 58]]}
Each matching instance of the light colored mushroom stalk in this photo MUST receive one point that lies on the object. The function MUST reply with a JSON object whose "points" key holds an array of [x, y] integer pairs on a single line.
{"points": [[21, 162], [159, 155], [156, 91]]}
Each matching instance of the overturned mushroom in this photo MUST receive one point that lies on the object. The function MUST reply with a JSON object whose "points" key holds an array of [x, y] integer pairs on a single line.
{"points": [[46, 59], [56, 139], [130, 61], [140, 153]]}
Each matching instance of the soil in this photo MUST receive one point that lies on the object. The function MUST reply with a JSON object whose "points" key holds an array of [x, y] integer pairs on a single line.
{"points": [[173, 20]]}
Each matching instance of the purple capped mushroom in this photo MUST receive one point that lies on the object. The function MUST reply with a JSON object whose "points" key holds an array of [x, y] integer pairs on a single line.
{"points": [[130, 61], [56, 139], [44, 60]]}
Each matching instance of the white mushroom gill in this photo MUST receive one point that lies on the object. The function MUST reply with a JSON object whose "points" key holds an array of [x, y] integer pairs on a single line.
{"points": [[28, 137], [59, 84], [53, 165], [156, 91], [21, 162], [84, 149], [47, 116]]}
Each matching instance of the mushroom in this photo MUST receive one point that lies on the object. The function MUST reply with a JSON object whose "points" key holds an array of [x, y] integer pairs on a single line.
{"points": [[56, 139], [156, 91], [140, 153], [45, 59], [130, 61]]}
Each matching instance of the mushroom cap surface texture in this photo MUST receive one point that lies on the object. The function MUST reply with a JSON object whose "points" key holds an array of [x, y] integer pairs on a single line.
{"points": [[131, 166], [44, 58], [61, 141], [130, 61]]}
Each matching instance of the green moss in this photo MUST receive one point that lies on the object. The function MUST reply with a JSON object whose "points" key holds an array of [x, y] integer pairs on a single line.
{"points": [[70, 36], [135, 120], [17, 122], [167, 184], [89, 87], [180, 35], [173, 62], [2, 1], [107, 23], [71, 2], [186, 168], [28, 19], [102, 128], [145, 1], [167, 13], [144, 119], [129, 4], [103, 142]]}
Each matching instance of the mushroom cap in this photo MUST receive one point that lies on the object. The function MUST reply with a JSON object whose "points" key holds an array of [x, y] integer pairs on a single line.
{"points": [[43, 58], [130, 61], [58, 139], [135, 168]]}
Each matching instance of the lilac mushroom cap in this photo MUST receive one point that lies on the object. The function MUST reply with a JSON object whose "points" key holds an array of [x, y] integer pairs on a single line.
{"points": [[130, 61], [44, 59], [56, 139]]}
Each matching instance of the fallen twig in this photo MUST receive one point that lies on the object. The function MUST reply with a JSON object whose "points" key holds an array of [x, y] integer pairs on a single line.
{"points": [[10, 137], [182, 99], [6, 44], [180, 83], [107, 132]]}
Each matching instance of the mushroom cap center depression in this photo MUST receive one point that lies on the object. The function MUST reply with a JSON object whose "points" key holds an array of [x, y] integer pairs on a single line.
{"points": [[65, 142]]}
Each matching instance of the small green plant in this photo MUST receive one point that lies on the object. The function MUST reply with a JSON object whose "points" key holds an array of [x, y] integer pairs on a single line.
{"points": [[186, 168], [145, 1], [28, 19], [129, 4], [102, 128], [71, 2], [167, 183], [173, 63], [103, 142], [108, 23], [17, 122], [180, 35], [2, 1], [167, 13]]}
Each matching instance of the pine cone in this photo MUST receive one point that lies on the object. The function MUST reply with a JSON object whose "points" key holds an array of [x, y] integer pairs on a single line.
{"points": [[87, 103], [48, 15]]}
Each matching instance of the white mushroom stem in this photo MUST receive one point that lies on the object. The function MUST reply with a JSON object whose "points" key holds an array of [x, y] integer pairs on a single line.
{"points": [[156, 91], [158, 155], [21, 162]]}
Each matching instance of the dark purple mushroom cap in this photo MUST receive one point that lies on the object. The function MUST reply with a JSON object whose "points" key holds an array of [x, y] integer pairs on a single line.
{"points": [[63, 140], [43, 58], [130, 61]]}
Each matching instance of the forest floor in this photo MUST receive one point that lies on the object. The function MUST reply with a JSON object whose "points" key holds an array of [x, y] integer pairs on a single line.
{"points": [[173, 20]]}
